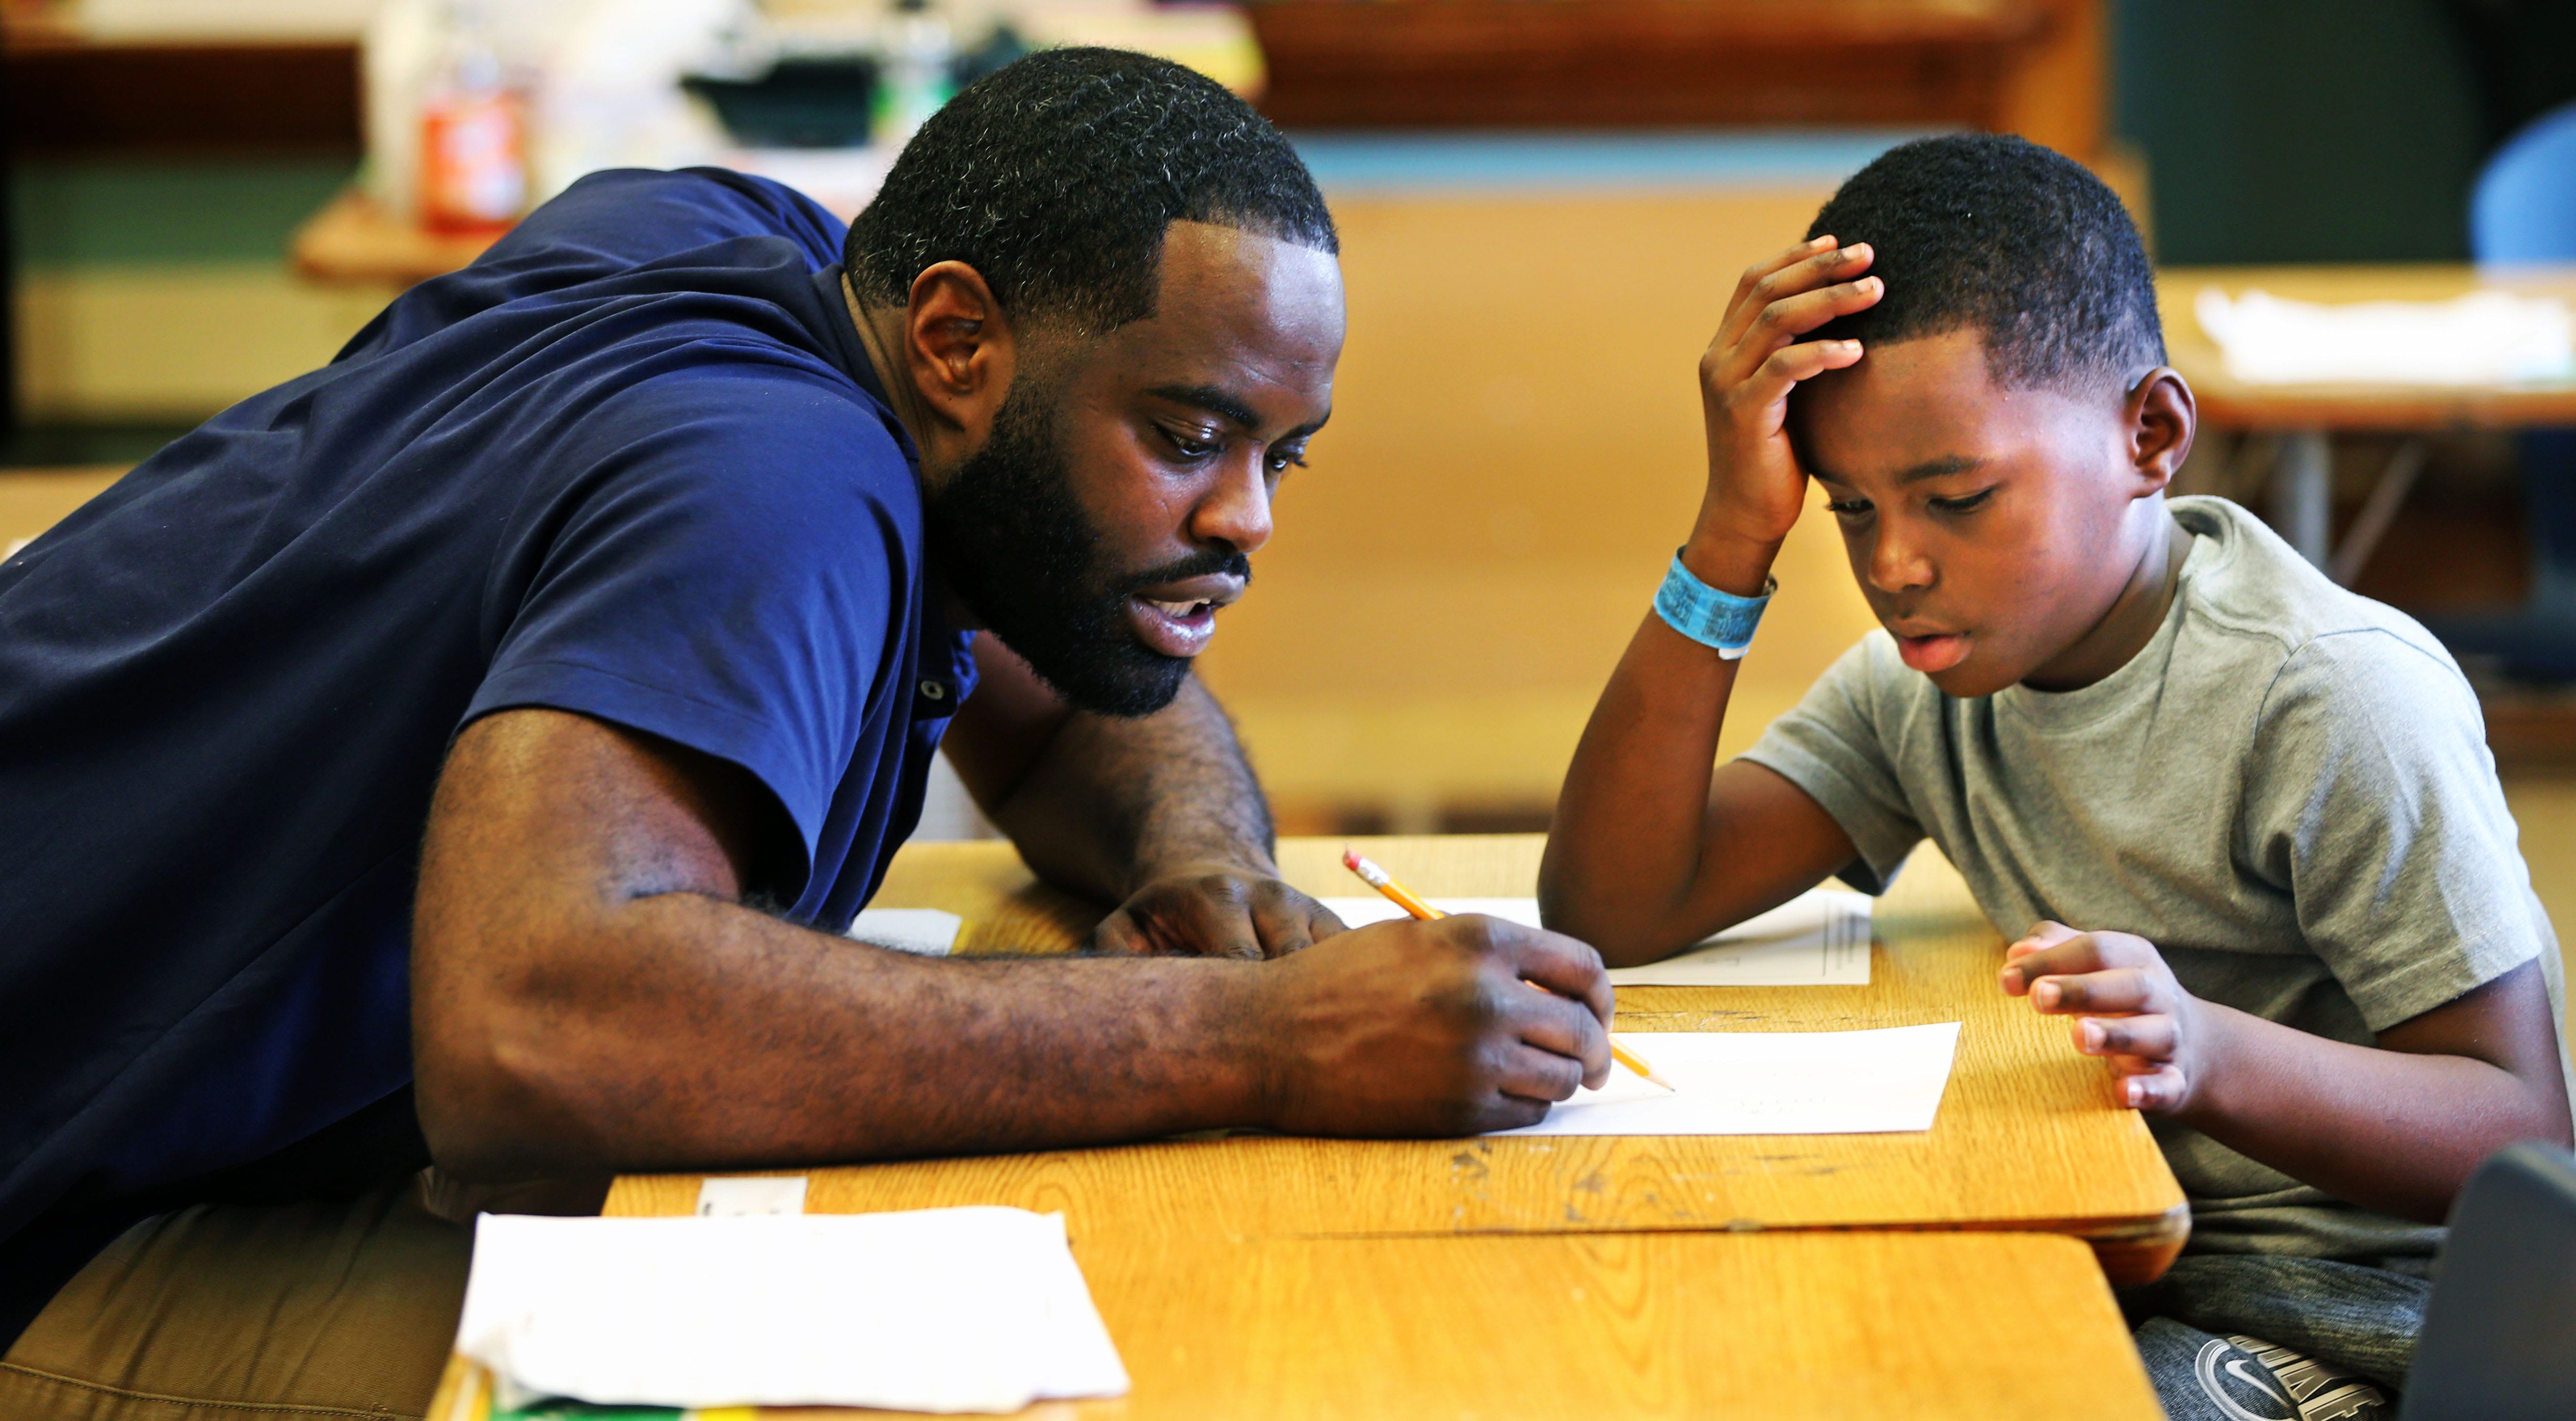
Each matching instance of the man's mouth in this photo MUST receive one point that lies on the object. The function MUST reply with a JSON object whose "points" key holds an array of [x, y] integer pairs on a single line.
{"points": [[1178, 619], [1931, 652]]}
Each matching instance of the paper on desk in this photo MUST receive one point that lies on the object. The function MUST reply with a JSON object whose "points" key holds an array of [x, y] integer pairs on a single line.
{"points": [[950, 1310], [2484, 338], [1818, 939], [927, 932], [1769, 1083]]}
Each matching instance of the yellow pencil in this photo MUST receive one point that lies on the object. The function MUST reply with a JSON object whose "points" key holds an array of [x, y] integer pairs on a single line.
{"points": [[1405, 898]]}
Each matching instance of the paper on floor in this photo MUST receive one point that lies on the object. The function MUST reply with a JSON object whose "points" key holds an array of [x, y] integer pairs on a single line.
{"points": [[926, 932], [1818, 939], [1769, 1083], [2486, 337], [950, 1310]]}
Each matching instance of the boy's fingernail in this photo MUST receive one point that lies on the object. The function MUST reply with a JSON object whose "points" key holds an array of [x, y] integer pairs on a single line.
{"points": [[2045, 994], [1869, 284], [2093, 1035]]}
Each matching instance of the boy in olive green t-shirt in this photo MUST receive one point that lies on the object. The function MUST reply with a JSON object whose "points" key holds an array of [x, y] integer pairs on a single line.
{"points": [[2245, 820]]}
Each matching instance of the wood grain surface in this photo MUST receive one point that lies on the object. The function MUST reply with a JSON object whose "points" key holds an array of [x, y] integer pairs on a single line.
{"points": [[2028, 1136], [1595, 1326], [2229, 403]]}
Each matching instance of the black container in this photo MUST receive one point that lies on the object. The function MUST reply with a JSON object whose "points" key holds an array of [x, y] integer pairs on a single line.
{"points": [[799, 103]]}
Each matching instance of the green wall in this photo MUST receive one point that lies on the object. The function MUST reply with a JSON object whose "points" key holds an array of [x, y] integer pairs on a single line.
{"points": [[2301, 130], [129, 213]]}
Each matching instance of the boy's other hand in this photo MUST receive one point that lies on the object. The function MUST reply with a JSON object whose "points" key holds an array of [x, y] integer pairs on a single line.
{"points": [[2127, 1004], [1755, 487]]}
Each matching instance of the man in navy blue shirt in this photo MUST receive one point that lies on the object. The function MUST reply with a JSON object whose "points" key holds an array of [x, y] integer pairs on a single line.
{"points": [[469, 752]]}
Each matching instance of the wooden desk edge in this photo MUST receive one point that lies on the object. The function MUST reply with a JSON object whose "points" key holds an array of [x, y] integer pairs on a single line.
{"points": [[2131, 1251]]}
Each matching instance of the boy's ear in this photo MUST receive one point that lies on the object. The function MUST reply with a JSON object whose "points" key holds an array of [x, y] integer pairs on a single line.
{"points": [[2161, 417]]}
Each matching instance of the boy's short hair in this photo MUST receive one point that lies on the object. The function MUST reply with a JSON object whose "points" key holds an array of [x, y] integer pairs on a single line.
{"points": [[1057, 176], [1998, 233]]}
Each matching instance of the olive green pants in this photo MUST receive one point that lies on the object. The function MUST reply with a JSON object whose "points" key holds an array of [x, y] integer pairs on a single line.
{"points": [[229, 1312]]}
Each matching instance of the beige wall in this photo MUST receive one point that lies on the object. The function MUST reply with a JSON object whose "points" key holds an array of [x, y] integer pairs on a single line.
{"points": [[1515, 451], [172, 343]]}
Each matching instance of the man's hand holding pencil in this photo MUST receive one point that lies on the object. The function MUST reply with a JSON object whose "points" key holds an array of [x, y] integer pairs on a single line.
{"points": [[1430, 1028]]}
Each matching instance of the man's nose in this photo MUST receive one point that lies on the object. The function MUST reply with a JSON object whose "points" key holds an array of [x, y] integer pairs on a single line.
{"points": [[1236, 508], [1896, 560]]}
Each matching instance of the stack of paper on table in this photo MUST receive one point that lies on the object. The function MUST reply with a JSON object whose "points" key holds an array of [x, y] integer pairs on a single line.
{"points": [[1818, 939], [973, 1309], [924, 932], [2486, 337], [1769, 1083]]}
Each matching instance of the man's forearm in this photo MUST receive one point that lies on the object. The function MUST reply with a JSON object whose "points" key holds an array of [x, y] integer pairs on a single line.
{"points": [[1110, 802], [732, 1038], [2390, 1130]]}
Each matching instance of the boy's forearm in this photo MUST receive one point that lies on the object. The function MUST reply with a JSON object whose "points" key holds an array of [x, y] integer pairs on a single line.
{"points": [[1646, 811], [1624, 847], [2390, 1130]]}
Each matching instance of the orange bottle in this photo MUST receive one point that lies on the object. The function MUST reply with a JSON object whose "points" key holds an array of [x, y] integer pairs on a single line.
{"points": [[473, 141]]}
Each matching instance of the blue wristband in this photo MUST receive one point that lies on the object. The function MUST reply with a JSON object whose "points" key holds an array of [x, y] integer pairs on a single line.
{"points": [[1708, 616]]}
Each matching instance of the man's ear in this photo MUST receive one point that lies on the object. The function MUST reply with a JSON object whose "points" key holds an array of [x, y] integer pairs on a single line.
{"points": [[958, 348], [2161, 417]]}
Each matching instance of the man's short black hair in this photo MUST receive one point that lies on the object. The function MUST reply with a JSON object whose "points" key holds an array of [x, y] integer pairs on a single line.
{"points": [[1057, 176], [1999, 234]]}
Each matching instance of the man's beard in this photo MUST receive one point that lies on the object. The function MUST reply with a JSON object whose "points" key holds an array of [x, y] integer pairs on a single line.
{"points": [[1018, 547]]}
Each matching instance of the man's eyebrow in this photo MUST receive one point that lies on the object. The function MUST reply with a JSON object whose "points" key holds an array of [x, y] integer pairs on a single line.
{"points": [[1223, 403], [1214, 399], [1939, 468]]}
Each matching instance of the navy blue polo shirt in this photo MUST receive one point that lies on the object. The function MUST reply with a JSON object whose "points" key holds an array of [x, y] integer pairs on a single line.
{"points": [[633, 463]]}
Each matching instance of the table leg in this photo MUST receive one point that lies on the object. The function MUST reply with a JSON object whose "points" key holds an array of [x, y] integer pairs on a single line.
{"points": [[2303, 492]]}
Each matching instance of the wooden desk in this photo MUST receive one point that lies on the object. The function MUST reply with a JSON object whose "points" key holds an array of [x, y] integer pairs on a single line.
{"points": [[2303, 418], [2028, 1136], [353, 241], [1591, 1328]]}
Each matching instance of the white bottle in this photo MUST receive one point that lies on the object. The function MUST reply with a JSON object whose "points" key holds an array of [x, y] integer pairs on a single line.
{"points": [[915, 58]]}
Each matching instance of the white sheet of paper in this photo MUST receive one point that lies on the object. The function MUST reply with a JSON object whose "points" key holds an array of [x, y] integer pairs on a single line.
{"points": [[723, 1197], [925, 932], [1769, 1083], [1818, 939], [949, 1310], [1375, 909], [2485, 337]]}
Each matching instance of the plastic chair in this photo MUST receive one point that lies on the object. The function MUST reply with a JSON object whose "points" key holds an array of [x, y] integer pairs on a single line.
{"points": [[2524, 209], [2499, 1339]]}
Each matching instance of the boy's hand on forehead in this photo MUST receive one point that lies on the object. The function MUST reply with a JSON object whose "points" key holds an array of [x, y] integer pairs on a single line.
{"points": [[1755, 487], [2129, 1008]]}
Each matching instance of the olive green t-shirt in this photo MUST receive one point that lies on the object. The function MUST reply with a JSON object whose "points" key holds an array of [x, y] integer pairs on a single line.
{"points": [[2288, 791]]}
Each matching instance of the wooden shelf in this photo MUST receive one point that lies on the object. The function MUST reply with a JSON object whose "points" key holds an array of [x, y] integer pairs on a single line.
{"points": [[1632, 63], [70, 95]]}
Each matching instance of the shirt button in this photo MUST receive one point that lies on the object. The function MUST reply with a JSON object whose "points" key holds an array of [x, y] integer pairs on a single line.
{"points": [[933, 691]]}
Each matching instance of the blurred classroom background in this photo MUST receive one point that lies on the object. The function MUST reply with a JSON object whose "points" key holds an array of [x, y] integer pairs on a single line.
{"points": [[1543, 205]]}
